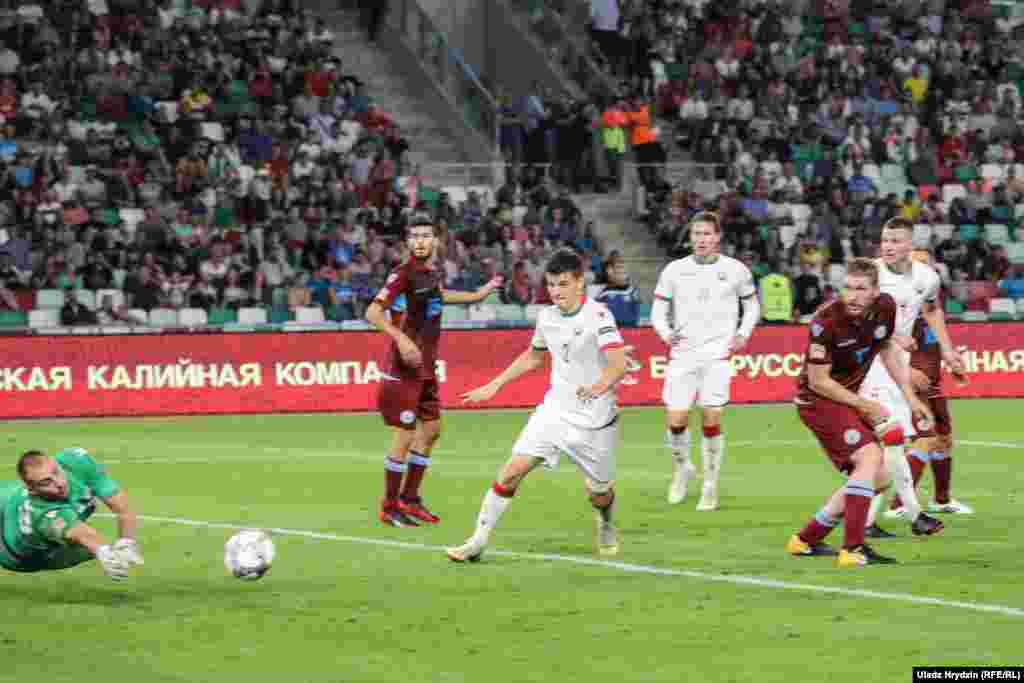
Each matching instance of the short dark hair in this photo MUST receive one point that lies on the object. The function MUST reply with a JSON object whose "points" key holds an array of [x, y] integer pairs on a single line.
{"points": [[28, 459], [707, 217], [564, 260], [899, 223], [420, 220]]}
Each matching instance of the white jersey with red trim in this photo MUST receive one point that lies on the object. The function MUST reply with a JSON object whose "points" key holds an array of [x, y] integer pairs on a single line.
{"points": [[577, 344], [704, 306]]}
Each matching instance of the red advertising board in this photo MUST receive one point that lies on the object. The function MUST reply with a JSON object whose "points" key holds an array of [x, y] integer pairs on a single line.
{"points": [[73, 376]]}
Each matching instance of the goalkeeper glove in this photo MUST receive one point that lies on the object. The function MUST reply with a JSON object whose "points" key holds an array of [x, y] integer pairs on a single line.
{"points": [[128, 549], [114, 564]]}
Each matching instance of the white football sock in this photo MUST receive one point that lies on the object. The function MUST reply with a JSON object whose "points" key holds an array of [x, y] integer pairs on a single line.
{"points": [[876, 507], [680, 445], [712, 450], [491, 510], [902, 480]]}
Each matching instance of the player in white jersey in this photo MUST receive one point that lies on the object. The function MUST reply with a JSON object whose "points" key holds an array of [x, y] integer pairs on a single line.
{"points": [[578, 416], [915, 288], [696, 312]]}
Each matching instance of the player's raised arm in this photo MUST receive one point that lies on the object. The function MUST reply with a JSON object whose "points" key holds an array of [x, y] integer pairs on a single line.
{"points": [[529, 360], [450, 296]]}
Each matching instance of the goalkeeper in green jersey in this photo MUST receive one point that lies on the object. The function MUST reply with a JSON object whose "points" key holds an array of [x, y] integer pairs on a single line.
{"points": [[43, 516]]}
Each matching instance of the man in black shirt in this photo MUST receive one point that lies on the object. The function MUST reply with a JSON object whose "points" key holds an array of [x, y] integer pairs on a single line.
{"points": [[807, 293]]}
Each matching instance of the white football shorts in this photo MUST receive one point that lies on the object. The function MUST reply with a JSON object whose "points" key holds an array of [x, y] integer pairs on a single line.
{"points": [[878, 386], [709, 380], [547, 436]]}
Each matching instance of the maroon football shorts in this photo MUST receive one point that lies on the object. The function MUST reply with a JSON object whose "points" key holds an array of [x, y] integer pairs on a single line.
{"points": [[403, 401], [840, 430]]}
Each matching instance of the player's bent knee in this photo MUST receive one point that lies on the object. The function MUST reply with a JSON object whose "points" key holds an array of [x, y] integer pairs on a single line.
{"points": [[677, 419], [712, 417]]}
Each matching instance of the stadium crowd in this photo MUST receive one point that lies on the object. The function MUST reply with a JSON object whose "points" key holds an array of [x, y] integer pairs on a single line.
{"points": [[812, 122], [202, 157]]}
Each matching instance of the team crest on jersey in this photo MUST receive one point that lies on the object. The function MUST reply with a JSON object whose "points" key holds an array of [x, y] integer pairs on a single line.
{"points": [[51, 514], [578, 331], [851, 437], [407, 417], [722, 276], [880, 332], [816, 329]]}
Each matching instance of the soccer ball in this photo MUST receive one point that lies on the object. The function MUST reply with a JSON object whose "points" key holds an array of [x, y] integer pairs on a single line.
{"points": [[249, 554]]}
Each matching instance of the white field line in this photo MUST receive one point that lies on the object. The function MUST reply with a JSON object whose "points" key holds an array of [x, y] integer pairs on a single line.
{"points": [[756, 581]]}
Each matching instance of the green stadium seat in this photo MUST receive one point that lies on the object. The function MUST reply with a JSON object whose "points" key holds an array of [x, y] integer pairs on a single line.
{"points": [[510, 313], [281, 314], [450, 314], [1015, 252], [50, 298], [996, 233], [1001, 309], [954, 307], [974, 316], [13, 319], [969, 232], [221, 316]]}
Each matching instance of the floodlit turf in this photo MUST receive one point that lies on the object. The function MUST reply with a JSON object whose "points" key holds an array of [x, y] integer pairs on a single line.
{"points": [[337, 608]]}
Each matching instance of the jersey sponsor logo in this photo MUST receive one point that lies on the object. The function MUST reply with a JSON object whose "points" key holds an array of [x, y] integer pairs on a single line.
{"points": [[817, 352], [817, 329], [851, 437], [846, 342], [880, 331], [391, 279], [407, 417], [606, 330]]}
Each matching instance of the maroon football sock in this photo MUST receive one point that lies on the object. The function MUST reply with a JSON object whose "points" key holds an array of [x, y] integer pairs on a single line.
{"points": [[418, 464], [815, 532], [393, 473], [942, 468], [857, 503]]}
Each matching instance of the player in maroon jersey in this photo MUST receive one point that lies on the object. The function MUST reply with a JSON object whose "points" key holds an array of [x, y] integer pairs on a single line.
{"points": [[845, 337], [408, 397]]}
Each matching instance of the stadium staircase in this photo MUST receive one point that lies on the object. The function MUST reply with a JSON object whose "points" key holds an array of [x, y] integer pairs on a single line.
{"points": [[398, 91], [617, 230]]}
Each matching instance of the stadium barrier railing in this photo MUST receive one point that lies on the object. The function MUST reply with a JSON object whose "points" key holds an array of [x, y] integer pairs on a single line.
{"points": [[456, 78], [276, 372]]}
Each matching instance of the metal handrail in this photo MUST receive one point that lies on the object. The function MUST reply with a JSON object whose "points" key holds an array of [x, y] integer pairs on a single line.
{"points": [[457, 79]]}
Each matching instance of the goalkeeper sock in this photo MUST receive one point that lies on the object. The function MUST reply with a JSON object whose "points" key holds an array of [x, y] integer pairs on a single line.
{"points": [[712, 449], [942, 468], [495, 503], [678, 440], [418, 464], [857, 500], [917, 461], [393, 473]]}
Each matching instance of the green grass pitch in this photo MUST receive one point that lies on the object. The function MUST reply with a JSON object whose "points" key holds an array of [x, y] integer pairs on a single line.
{"points": [[354, 601]]}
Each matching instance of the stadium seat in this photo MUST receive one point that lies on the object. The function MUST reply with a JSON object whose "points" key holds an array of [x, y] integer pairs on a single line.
{"points": [[116, 295], [120, 275], [942, 231], [974, 316], [252, 315], [994, 172], [44, 317], [309, 315], [279, 297], [50, 298], [922, 235], [87, 298], [13, 318], [192, 317], [281, 314], [532, 311], [1015, 252], [996, 233], [450, 314], [1001, 309], [510, 313], [894, 173], [1020, 308], [140, 315], [163, 317], [954, 307], [969, 232], [483, 313], [221, 316]]}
